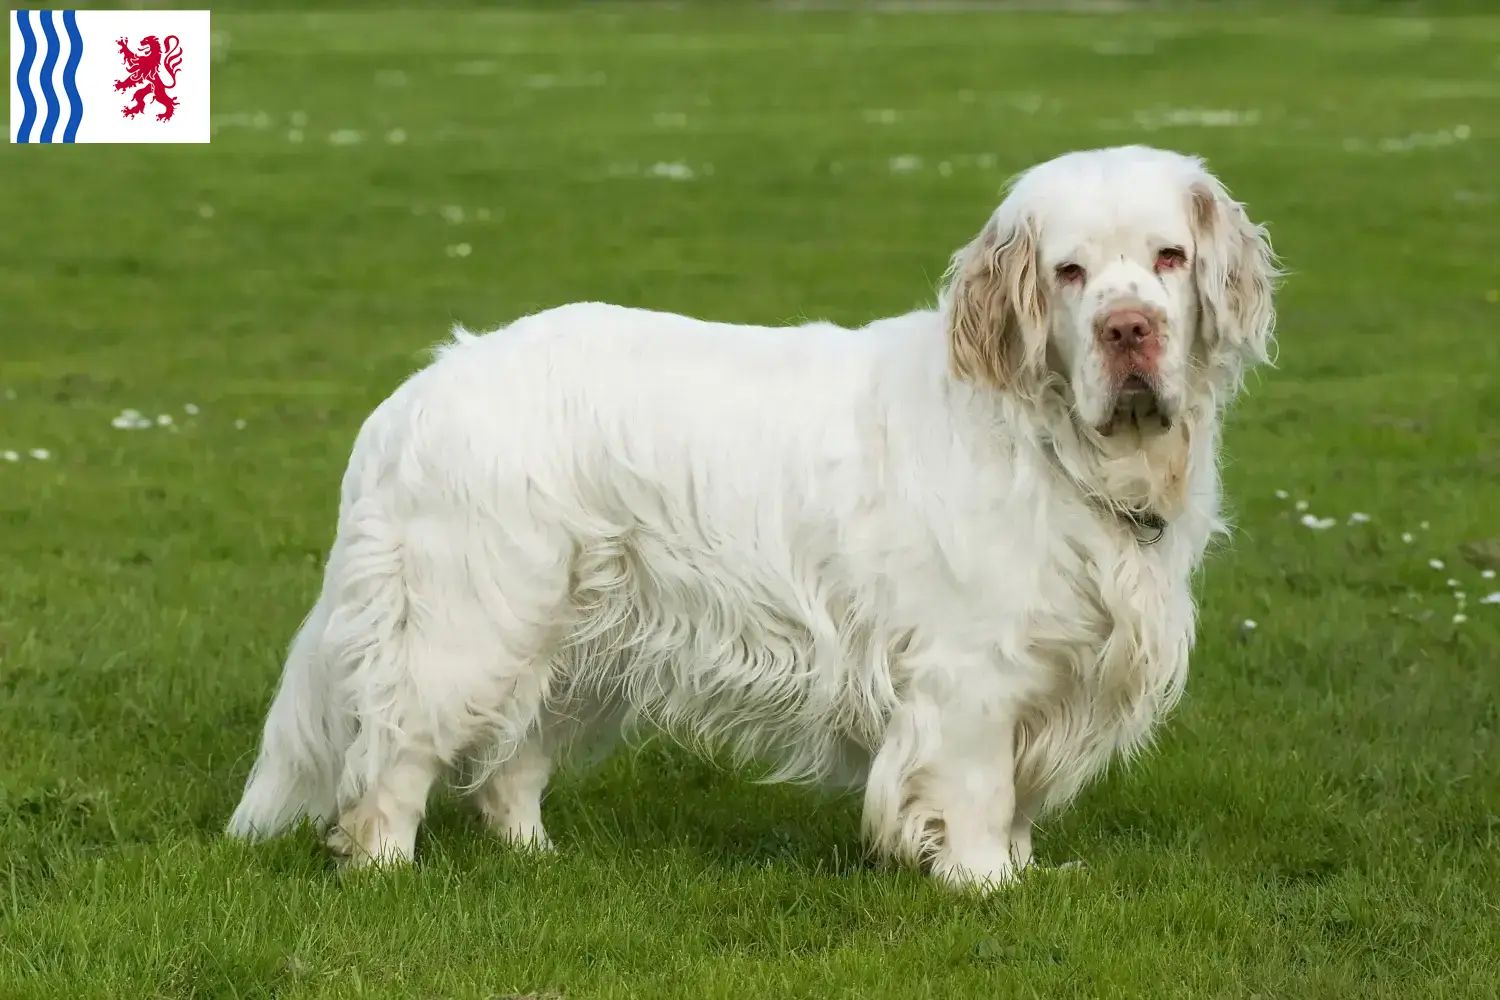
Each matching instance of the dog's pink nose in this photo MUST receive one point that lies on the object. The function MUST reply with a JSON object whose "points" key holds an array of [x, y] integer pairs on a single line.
{"points": [[1127, 329]]}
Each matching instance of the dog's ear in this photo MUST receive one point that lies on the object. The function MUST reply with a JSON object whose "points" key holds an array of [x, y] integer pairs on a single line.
{"points": [[1236, 273], [996, 314]]}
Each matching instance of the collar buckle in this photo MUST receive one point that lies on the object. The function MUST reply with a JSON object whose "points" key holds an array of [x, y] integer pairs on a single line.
{"points": [[1148, 525]]}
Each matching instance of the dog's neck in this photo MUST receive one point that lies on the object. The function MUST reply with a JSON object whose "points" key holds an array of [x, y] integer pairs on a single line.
{"points": [[1141, 478]]}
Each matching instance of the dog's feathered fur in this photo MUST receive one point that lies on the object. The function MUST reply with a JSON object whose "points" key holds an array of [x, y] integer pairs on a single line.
{"points": [[901, 553]]}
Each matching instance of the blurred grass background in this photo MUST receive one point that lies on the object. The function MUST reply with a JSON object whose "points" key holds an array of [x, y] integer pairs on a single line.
{"points": [[1321, 816]]}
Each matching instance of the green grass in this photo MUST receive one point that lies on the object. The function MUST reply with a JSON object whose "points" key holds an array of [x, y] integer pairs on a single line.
{"points": [[1322, 815]]}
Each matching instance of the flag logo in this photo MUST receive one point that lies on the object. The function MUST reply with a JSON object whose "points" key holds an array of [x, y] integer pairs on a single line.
{"points": [[146, 69], [70, 69]]}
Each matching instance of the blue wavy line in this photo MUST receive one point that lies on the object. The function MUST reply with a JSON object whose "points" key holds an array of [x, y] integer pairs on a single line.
{"points": [[23, 75], [49, 63], [70, 76]]}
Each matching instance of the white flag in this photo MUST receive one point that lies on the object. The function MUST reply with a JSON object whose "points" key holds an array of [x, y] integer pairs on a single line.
{"points": [[109, 76]]}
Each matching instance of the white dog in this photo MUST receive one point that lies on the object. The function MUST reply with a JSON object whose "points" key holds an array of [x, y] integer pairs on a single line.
{"points": [[948, 554]]}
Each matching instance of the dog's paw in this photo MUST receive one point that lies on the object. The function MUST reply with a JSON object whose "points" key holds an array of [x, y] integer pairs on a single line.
{"points": [[983, 874], [346, 852], [532, 839], [350, 854]]}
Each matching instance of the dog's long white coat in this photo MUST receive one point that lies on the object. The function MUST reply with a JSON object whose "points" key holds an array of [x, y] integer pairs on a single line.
{"points": [[815, 545]]}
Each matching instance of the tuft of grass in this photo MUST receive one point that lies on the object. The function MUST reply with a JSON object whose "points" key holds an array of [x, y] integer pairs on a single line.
{"points": [[1320, 818]]}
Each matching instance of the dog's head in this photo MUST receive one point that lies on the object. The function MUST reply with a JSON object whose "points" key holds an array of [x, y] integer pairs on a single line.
{"points": [[1126, 278]]}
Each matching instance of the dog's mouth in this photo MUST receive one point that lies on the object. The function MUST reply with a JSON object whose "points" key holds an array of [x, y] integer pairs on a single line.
{"points": [[1138, 404]]}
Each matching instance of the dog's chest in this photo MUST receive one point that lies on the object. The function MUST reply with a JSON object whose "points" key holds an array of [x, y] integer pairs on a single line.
{"points": [[1110, 636]]}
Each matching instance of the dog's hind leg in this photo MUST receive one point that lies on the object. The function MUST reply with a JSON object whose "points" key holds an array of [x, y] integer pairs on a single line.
{"points": [[441, 660], [510, 797], [449, 699], [378, 823]]}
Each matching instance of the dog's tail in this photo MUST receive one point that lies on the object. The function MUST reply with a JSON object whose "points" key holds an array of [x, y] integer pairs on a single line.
{"points": [[306, 735]]}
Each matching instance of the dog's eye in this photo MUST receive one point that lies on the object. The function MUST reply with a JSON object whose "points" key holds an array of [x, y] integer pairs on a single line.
{"points": [[1069, 273], [1168, 258]]}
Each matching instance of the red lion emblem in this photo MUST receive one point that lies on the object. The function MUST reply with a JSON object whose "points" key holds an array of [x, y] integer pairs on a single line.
{"points": [[153, 69]]}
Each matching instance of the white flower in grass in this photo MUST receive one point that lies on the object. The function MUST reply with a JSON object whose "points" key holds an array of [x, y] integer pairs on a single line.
{"points": [[1359, 517], [1491, 598], [1201, 117], [905, 164], [191, 409], [1301, 505], [671, 171], [458, 250], [10, 456], [239, 425], [1424, 525], [1435, 563], [41, 454], [1459, 619], [163, 419], [131, 420], [1406, 537], [1488, 574], [1317, 523], [1452, 582], [1282, 494], [396, 136], [452, 213], [1249, 625]]}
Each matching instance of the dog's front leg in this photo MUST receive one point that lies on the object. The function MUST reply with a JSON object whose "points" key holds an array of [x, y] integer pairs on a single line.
{"points": [[976, 791], [942, 789]]}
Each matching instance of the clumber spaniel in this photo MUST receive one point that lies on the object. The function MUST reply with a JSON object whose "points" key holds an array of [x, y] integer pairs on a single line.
{"points": [[945, 556]]}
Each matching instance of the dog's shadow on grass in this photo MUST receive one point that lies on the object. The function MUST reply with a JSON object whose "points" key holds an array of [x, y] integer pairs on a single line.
{"points": [[662, 799], [664, 806]]}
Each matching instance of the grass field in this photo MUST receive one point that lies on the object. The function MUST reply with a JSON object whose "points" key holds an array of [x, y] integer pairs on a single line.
{"points": [[1322, 815]]}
